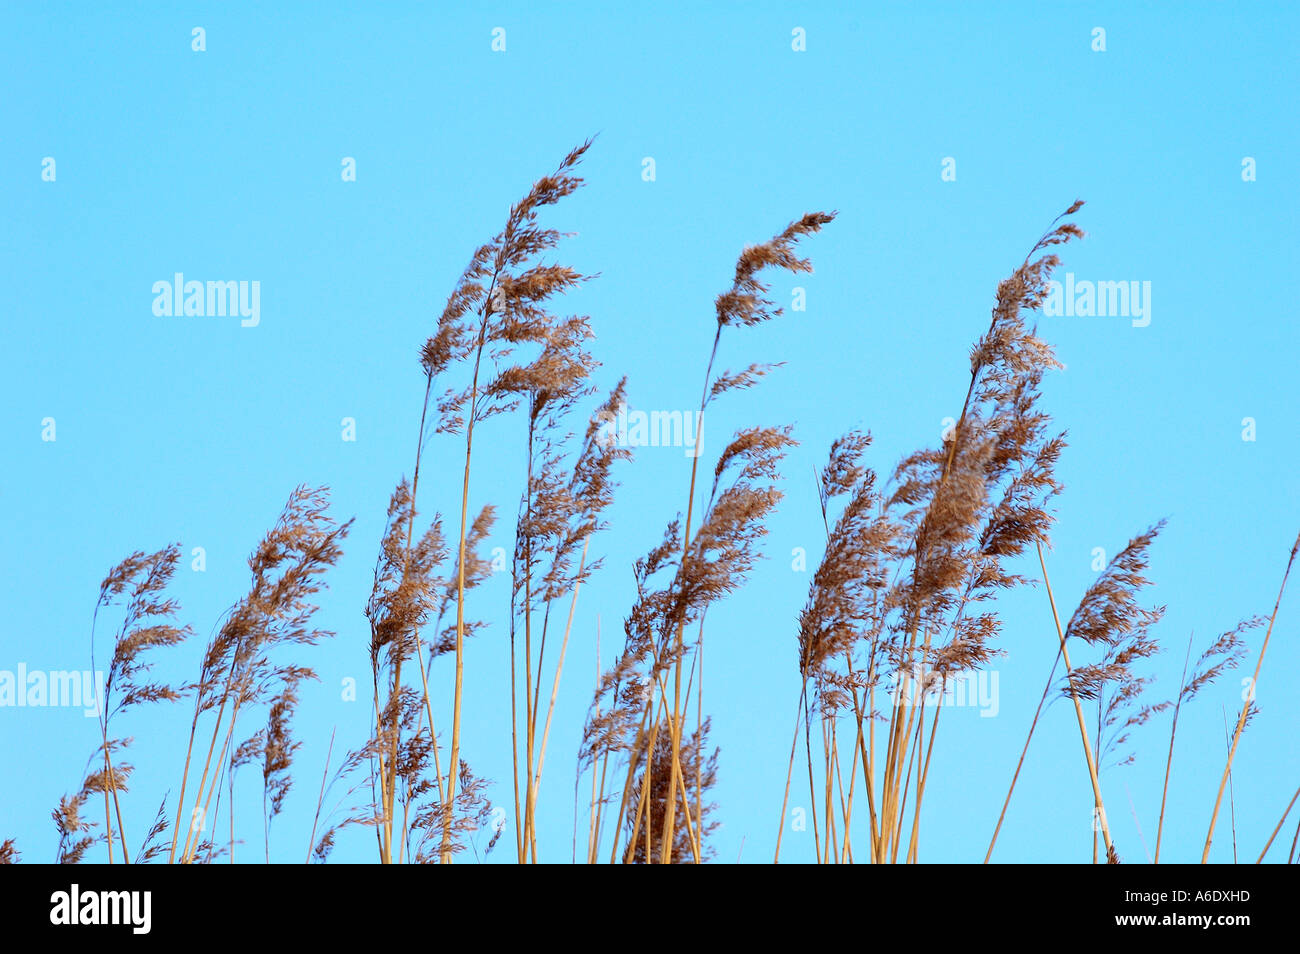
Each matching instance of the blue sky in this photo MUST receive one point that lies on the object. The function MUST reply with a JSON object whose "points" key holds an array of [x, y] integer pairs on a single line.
{"points": [[225, 164]]}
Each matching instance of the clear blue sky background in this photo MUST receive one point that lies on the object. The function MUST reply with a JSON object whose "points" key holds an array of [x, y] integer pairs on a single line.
{"points": [[225, 164]]}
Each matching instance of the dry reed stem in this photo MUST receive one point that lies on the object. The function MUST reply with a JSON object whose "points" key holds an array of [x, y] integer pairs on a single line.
{"points": [[1023, 752], [1169, 759], [555, 685], [789, 774], [1246, 706], [1280, 822], [1078, 708], [320, 799]]}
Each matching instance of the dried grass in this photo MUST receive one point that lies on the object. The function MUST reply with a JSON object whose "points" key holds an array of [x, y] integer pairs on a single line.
{"points": [[903, 602]]}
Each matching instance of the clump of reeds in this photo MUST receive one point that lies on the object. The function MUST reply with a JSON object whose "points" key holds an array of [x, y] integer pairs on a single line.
{"points": [[147, 625], [925, 556], [560, 510], [844, 602], [406, 596], [902, 604], [497, 330], [404, 592], [656, 778], [240, 669], [633, 714], [139, 582]]}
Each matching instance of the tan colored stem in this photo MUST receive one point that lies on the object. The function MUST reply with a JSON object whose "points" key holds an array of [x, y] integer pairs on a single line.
{"points": [[1245, 706], [1078, 709]]}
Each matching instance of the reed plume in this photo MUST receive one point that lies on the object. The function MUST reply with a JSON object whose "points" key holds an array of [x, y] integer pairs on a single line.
{"points": [[497, 306], [238, 671], [142, 579], [1222, 655]]}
